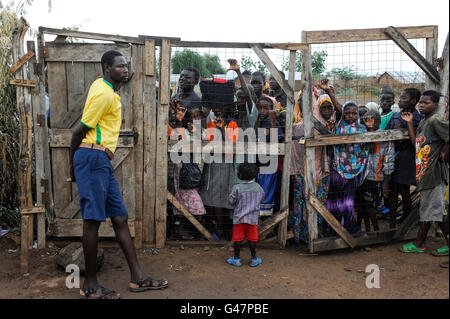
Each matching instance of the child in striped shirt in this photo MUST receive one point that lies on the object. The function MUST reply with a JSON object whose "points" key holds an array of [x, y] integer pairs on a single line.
{"points": [[246, 198]]}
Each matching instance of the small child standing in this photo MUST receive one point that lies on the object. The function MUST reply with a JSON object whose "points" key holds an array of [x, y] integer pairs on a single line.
{"points": [[380, 168], [246, 197], [431, 144]]}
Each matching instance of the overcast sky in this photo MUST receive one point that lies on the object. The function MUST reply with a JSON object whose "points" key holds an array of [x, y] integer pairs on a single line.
{"points": [[237, 20]]}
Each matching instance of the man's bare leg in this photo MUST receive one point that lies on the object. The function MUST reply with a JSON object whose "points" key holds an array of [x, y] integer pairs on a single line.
{"points": [[90, 243]]}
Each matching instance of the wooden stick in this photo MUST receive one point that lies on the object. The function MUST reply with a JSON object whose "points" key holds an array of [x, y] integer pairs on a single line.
{"points": [[25, 220], [189, 216], [274, 71], [26, 83], [21, 62], [368, 137], [412, 52], [345, 235], [32, 211]]}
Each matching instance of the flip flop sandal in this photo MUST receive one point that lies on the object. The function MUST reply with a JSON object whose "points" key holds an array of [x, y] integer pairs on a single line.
{"points": [[104, 293], [444, 265], [148, 284], [234, 262], [410, 248], [441, 252], [255, 262]]}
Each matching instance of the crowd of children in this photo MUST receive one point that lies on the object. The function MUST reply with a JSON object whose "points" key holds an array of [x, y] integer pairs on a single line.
{"points": [[354, 181]]}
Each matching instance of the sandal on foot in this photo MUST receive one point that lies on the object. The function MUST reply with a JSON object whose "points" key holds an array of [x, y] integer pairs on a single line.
{"points": [[234, 262], [411, 248], [148, 284], [444, 265], [98, 292], [255, 262], [440, 252]]}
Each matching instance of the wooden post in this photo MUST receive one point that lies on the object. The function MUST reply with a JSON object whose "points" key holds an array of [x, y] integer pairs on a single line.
{"points": [[137, 91], [38, 144], [431, 56], [150, 145], [308, 122], [41, 119], [444, 73], [284, 201], [161, 161]]}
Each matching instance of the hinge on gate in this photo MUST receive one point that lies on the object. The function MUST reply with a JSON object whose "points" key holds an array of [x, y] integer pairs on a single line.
{"points": [[43, 51], [38, 69], [41, 120]]}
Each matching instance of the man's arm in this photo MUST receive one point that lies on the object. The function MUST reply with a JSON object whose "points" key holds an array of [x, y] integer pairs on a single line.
{"points": [[78, 135], [235, 67]]}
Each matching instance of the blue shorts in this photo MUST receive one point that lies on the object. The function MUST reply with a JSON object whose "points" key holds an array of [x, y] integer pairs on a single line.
{"points": [[100, 195]]}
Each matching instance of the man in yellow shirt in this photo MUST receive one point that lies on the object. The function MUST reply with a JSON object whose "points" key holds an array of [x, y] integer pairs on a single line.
{"points": [[93, 144]]}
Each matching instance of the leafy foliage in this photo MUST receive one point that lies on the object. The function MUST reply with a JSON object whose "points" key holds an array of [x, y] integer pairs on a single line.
{"points": [[345, 73], [318, 60], [206, 64], [247, 64]]}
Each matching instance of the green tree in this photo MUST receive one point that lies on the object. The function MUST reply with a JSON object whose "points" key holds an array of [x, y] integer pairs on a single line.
{"points": [[248, 64], [206, 64], [213, 64], [318, 60], [345, 73]]}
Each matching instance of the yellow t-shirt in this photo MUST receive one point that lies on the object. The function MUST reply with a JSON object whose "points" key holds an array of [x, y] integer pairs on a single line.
{"points": [[103, 115]]}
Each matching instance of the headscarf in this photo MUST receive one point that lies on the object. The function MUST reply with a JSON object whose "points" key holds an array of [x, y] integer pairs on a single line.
{"points": [[350, 160], [322, 99]]}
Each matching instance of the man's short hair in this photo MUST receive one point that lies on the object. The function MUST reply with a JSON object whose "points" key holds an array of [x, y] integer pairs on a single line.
{"points": [[108, 58], [261, 74], [413, 93], [195, 71], [433, 95]]}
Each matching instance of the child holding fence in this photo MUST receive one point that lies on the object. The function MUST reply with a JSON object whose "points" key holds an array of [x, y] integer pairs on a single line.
{"points": [[348, 168], [246, 198], [324, 113], [404, 175], [268, 180], [431, 142], [381, 166]]}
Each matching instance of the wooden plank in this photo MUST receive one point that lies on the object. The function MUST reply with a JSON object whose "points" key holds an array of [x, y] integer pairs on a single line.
{"points": [[444, 72], [90, 35], [288, 46], [25, 221], [310, 168], [369, 137], [83, 52], [150, 112], [16, 66], [38, 146], [409, 221], [149, 57], [285, 182], [287, 88], [431, 54], [71, 210], [61, 138], [26, 83], [274, 221], [161, 150], [237, 148], [42, 140], [92, 72], [356, 35], [31, 211], [412, 52], [74, 228], [137, 86], [189, 216], [340, 230], [364, 239]]}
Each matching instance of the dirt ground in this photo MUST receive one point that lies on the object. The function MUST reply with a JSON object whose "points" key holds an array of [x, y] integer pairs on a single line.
{"points": [[202, 273]]}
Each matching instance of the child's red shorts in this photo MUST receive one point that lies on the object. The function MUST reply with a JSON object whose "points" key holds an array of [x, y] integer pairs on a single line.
{"points": [[242, 231]]}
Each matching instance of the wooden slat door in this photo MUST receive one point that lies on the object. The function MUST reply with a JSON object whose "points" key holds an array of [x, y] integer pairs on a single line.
{"points": [[71, 69]]}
